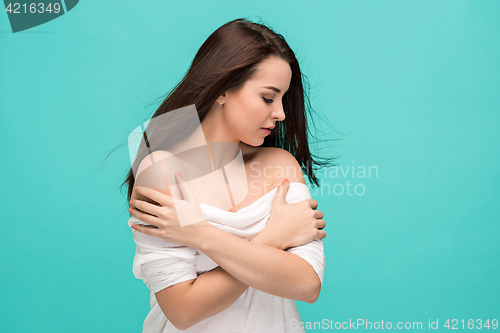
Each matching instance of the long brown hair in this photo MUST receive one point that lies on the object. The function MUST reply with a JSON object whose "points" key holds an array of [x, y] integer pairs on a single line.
{"points": [[228, 58]]}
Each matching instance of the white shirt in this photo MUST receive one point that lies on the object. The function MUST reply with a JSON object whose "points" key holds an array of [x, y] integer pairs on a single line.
{"points": [[161, 264]]}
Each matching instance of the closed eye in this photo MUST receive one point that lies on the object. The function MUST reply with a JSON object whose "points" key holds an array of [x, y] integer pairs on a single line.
{"points": [[268, 101]]}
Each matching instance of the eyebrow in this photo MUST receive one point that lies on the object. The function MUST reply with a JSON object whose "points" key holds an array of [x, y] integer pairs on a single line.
{"points": [[273, 88]]}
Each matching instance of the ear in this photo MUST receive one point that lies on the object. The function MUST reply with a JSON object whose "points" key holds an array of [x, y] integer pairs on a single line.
{"points": [[221, 98]]}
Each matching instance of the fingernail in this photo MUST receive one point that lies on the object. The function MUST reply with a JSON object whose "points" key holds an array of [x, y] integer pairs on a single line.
{"points": [[285, 181], [179, 173]]}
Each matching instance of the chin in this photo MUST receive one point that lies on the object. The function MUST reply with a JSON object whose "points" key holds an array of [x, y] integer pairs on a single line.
{"points": [[254, 142]]}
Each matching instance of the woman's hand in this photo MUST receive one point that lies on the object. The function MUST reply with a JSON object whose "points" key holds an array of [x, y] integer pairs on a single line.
{"points": [[291, 224], [177, 221]]}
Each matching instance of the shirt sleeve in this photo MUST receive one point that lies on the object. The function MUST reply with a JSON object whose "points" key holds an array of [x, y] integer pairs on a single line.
{"points": [[161, 264], [312, 252]]}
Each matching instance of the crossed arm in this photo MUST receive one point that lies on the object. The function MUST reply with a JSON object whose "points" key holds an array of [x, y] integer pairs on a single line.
{"points": [[241, 264], [256, 263]]}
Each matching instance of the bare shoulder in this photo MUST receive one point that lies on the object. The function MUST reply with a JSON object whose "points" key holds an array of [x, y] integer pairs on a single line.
{"points": [[280, 164], [159, 175], [155, 157]]}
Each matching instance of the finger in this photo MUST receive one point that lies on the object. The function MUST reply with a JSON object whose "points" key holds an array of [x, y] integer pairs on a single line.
{"points": [[321, 234], [144, 217], [282, 191], [161, 198], [143, 229], [320, 224], [145, 207], [313, 203], [318, 214], [187, 194], [287, 185]]}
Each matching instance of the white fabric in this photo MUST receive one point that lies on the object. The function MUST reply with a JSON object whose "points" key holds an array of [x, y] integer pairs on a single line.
{"points": [[161, 264]]}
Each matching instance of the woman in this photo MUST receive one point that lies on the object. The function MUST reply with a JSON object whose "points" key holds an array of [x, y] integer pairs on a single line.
{"points": [[241, 270]]}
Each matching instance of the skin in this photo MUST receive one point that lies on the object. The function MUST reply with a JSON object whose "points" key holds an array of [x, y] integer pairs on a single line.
{"points": [[260, 263]]}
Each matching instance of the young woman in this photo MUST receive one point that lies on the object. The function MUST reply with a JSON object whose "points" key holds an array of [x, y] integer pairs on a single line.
{"points": [[242, 269]]}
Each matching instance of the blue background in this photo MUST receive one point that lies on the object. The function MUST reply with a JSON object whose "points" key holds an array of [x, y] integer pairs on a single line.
{"points": [[410, 87]]}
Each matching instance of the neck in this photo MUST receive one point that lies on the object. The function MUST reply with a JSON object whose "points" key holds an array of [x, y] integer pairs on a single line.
{"points": [[223, 144]]}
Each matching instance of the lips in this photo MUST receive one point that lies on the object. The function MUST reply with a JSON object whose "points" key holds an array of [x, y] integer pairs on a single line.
{"points": [[269, 128], [266, 130]]}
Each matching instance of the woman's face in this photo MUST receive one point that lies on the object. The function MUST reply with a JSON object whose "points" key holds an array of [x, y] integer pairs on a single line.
{"points": [[258, 103]]}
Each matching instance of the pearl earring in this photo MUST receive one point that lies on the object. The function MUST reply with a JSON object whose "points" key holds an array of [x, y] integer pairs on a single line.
{"points": [[220, 104]]}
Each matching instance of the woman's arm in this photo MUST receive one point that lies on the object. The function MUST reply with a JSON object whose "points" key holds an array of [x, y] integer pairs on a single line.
{"points": [[192, 301], [189, 302], [262, 267], [259, 266]]}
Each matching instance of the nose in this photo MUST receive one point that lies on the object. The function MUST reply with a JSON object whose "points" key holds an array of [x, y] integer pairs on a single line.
{"points": [[278, 113]]}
